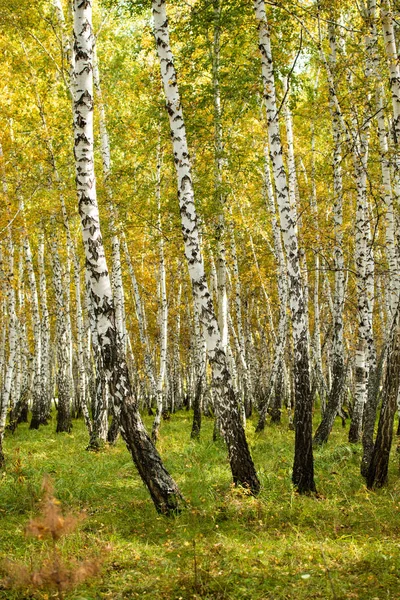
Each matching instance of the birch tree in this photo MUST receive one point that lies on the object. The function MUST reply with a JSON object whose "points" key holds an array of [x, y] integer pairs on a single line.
{"points": [[162, 488], [227, 408], [303, 468]]}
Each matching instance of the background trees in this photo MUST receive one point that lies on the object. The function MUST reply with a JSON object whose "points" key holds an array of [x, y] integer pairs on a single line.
{"points": [[329, 231]]}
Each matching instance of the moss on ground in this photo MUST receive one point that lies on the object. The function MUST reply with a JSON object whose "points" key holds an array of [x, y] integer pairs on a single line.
{"points": [[224, 545]]}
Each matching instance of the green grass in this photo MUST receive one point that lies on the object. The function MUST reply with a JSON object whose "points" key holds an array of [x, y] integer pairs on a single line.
{"points": [[343, 544]]}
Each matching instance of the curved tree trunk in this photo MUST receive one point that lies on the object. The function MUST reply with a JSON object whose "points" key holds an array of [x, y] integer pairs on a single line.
{"points": [[163, 489]]}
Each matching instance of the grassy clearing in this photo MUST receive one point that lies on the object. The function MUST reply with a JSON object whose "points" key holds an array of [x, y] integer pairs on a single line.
{"points": [[225, 545]]}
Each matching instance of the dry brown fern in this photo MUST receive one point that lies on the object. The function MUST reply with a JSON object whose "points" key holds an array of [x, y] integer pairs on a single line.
{"points": [[51, 571]]}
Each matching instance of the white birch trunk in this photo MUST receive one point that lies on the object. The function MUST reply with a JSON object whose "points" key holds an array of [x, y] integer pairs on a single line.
{"points": [[69, 58], [7, 274], [163, 489], [45, 331], [277, 365], [99, 424], [63, 360], [163, 313], [242, 466], [37, 398]]}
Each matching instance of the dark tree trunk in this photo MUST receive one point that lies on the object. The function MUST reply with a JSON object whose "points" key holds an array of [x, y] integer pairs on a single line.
{"points": [[378, 467], [248, 406], [16, 413], [23, 415], [375, 376], [2, 457], [197, 407], [163, 490], [242, 466], [64, 424], [264, 399], [38, 415], [333, 406], [35, 422], [276, 409], [113, 431], [38, 411], [303, 467]]}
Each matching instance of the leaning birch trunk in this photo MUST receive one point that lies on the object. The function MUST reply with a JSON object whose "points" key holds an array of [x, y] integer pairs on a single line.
{"points": [[303, 468], [163, 490], [227, 408]]}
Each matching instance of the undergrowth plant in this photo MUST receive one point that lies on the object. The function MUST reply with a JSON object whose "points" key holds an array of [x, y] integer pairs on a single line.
{"points": [[51, 571]]}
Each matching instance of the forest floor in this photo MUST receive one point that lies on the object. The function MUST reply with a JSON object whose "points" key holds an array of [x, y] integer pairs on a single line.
{"points": [[344, 543]]}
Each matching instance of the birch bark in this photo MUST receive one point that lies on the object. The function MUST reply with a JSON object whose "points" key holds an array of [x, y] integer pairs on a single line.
{"points": [[242, 466], [218, 165], [63, 362], [162, 488], [378, 467], [7, 274], [373, 69], [69, 57], [38, 409], [45, 331], [163, 308], [116, 279], [365, 354]]}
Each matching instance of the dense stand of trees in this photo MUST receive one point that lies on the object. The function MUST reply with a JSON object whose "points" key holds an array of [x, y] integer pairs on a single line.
{"points": [[278, 128]]}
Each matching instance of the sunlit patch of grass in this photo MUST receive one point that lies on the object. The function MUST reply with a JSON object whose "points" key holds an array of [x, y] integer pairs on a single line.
{"points": [[225, 544]]}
